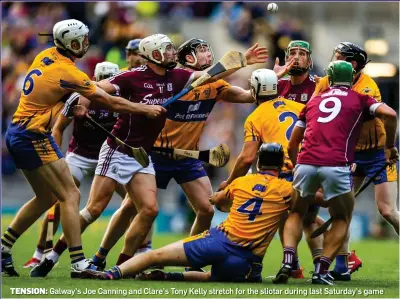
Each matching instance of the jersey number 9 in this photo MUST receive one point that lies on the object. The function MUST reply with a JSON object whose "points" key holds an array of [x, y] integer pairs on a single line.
{"points": [[29, 78]]}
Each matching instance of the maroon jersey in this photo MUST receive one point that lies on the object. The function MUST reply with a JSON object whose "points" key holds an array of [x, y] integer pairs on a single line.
{"points": [[87, 139], [300, 93], [333, 122], [142, 85]]}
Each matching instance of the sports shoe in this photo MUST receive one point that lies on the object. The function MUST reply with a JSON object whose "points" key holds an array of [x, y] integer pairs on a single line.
{"points": [[354, 262], [340, 276], [32, 263], [297, 274], [7, 264], [43, 268], [99, 266], [92, 274], [77, 268], [322, 279], [283, 275]]}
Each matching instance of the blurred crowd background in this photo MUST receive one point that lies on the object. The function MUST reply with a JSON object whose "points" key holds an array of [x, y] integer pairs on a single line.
{"points": [[226, 26]]}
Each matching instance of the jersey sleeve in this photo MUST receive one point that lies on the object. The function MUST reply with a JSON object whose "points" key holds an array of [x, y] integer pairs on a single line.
{"points": [[221, 87], [78, 81], [69, 105], [301, 122], [377, 93], [370, 104], [122, 81], [251, 130], [230, 189]]}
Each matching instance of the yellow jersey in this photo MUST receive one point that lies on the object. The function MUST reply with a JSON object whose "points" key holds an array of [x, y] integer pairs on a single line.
{"points": [[187, 117], [273, 121], [373, 135], [258, 203], [50, 80]]}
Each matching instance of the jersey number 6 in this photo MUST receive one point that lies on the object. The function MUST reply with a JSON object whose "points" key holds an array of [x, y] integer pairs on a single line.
{"points": [[29, 78]]}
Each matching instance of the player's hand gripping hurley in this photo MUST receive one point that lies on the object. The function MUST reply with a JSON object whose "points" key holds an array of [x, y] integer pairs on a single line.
{"points": [[217, 156], [231, 60], [138, 153]]}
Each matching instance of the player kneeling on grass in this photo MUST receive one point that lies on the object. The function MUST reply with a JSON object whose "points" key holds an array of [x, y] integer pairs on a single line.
{"points": [[235, 248]]}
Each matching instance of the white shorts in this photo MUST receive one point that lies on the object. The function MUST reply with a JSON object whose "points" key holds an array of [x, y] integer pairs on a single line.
{"points": [[118, 166], [80, 166], [334, 180]]}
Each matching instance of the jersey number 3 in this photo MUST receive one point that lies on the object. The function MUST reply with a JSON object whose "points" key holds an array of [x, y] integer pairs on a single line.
{"points": [[256, 208], [29, 78], [283, 116]]}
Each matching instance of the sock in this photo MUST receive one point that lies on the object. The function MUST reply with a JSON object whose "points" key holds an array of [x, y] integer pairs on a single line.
{"points": [[100, 255], [9, 238], [323, 265], [295, 263], [342, 265], [123, 258], [76, 254], [174, 276], [60, 247], [288, 255], [38, 253], [316, 255], [114, 272]]}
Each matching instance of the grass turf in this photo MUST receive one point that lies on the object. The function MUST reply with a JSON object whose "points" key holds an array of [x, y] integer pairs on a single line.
{"points": [[378, 278]]}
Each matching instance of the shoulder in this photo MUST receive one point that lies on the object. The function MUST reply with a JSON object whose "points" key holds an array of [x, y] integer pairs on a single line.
{"points": [[180, 71]]}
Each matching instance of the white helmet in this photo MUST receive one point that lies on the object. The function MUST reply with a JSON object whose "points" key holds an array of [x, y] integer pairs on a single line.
{"points": [[263, 83], [67, 31], [105, 70], [156, 42]]}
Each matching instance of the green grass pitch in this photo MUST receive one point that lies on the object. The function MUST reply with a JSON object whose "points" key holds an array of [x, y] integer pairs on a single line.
{"points": [[378, 278]]}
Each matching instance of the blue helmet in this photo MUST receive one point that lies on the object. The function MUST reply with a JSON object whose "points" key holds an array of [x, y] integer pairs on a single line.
{"points": [[133, 45]]}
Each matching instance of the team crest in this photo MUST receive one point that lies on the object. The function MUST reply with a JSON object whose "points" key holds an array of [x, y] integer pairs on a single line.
{"points": [[169, 86], [366, 90], [206, 92], [87, 83], [304, 97]]}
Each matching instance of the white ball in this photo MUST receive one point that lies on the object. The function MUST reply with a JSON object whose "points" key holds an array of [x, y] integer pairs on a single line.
{"points": [[272, 7]]}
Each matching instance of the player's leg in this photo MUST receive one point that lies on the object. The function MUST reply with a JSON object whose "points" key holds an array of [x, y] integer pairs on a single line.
{"points": [[143, 190], [177, 276], [198, 193], [305, 185], [310, 223]]}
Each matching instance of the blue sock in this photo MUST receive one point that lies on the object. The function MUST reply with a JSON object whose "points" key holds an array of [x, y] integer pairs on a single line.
{"points": [[115, 272], [341, 263], [100, 255]]}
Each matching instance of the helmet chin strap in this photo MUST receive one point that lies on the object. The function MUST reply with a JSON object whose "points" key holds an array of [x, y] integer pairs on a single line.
{"points": [[169, 66]]}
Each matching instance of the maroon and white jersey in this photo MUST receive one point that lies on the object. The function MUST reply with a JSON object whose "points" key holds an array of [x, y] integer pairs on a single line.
{"points": [[87, 139], [333, 122], [142, 85], [300, 93]]}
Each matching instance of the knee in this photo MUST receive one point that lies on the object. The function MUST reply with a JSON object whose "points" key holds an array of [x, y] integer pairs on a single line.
{"points": [[128, 208], [206, 211], [386, 212], [73, 196], [94, 210], [150, 211]]}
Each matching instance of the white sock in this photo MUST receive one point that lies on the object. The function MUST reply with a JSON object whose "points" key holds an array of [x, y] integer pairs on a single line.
{"points": [[38, 254], [52, 255]]}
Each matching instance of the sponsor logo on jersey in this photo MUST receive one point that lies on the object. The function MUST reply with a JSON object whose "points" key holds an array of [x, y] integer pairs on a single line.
{"points": [[148, 85], [194, 107], [148, 100]]}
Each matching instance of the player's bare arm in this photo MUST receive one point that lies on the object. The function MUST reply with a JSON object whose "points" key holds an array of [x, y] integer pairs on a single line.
{"points": [[243, 162], [390, 121], [294, 143], [59, 127], [239, 95], [121, 105], [221, 202]]}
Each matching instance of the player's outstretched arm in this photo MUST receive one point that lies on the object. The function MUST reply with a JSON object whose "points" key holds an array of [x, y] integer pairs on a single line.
{"points": [[243, 162], [61, 124], [239, 95], [121, 105], [294, 143], [221, 201]]}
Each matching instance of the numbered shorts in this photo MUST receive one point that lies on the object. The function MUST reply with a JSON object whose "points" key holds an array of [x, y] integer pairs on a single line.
{"points": [[334, 180], [182, 171], [31, 150], [203, 250], [80, 166], [369, 162], [118, 166]]}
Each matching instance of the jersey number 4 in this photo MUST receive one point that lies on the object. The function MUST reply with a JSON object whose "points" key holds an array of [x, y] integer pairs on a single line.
{"points": [[29, 78], [256, 208], [283, 116]]}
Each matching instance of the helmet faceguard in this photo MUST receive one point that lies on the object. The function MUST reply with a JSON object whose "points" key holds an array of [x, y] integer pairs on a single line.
{"points": [[300, 45], [270, 156], [105, 70], [69, 32], [160, 43], [340, 73], [352, 52], [193, 47]]}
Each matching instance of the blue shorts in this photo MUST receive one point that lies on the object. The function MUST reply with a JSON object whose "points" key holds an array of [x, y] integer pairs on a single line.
{"points": [[227, 263], [30, 150], [182, 171], [368, 163]]}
